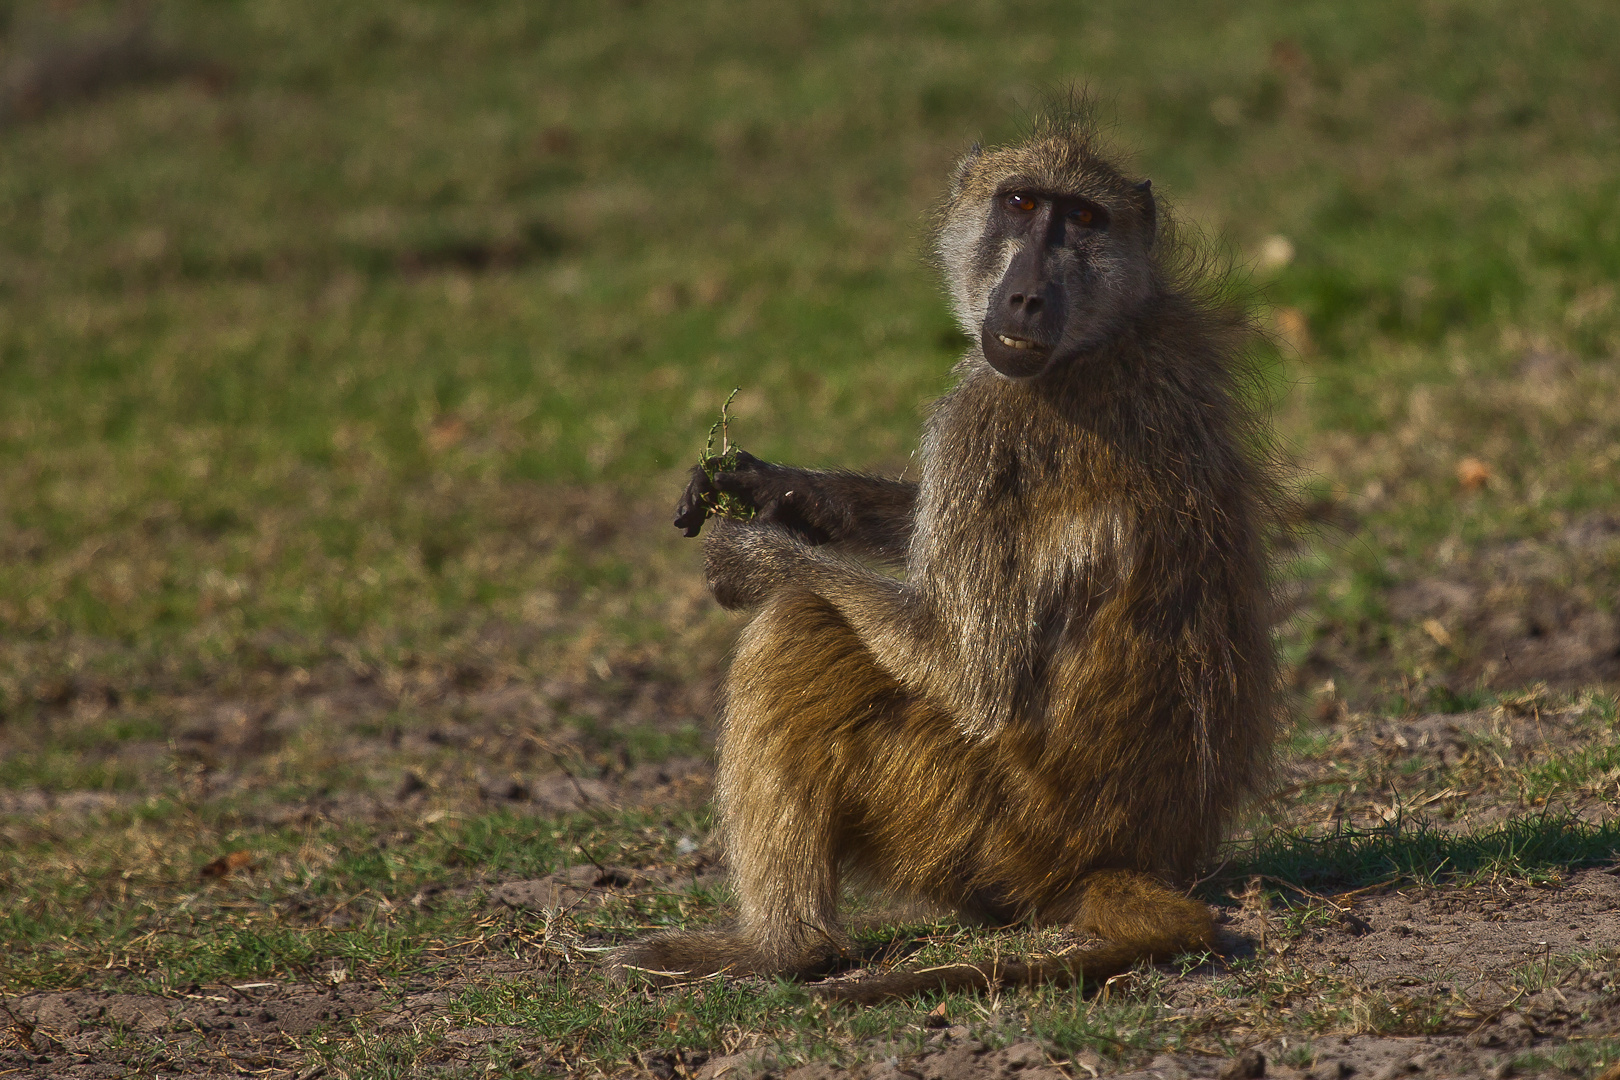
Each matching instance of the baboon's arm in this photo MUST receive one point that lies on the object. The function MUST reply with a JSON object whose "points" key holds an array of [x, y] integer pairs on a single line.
{"points": [[746, 562], [866, 516]]}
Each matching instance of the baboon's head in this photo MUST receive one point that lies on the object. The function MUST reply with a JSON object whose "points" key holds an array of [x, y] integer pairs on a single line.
{"points": [[1046, 248]]}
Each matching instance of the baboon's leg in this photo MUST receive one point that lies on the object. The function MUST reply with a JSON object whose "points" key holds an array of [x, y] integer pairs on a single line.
{"points": [[800, 691], [802, 700]]}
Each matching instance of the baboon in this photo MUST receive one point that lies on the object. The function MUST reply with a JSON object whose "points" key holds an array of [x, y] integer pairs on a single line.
{"points": [[1055, 707]]}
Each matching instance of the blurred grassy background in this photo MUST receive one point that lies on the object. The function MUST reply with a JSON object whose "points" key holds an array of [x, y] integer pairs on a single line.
{"points": [[368, 341]]}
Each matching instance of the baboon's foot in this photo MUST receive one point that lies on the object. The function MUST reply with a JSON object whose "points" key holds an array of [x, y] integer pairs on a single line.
{"points": [[682, 955], [1138, 910]]}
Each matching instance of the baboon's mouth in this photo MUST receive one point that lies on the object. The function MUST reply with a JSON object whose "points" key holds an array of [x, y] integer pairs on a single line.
{"points": [[1018, 342], [1014, 355]]}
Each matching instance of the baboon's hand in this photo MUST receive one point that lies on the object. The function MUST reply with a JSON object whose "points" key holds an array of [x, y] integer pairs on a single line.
{"points": [[693, 508], [779, 494], [745, 562]]}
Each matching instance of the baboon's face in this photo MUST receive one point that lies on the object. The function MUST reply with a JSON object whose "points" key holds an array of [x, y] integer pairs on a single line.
{"points": [[1045, 255]]}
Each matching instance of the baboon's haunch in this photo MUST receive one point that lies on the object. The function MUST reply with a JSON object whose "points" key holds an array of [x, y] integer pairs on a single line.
{"points": [[1056, 710]]}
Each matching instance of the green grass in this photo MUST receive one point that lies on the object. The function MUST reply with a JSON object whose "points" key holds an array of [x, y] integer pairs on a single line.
{"points": [[1573, 1058], [1594, 767], [1534, 848], [254, 405], [130, 890]]}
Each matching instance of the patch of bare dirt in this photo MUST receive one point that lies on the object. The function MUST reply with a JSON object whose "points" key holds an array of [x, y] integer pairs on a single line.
{"points": [[1498, 614], [1465, 769], [964, 1058], [1537, 610], [212, 1031], [1473, 944], [548, 749], [262, 1029], [952, 1055]]}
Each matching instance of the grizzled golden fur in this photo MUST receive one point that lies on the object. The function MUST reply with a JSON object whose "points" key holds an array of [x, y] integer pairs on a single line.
{"points": [[1055, 711]]}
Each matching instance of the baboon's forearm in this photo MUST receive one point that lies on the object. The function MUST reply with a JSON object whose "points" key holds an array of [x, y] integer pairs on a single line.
{"points": [[867, 516], [879, 514], [908, 637]]}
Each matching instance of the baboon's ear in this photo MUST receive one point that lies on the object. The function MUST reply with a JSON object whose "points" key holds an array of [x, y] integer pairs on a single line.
{"points": [[1150, 210], [963, 167]]}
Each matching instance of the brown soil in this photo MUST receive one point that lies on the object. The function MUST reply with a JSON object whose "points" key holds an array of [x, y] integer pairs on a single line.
{"points": [[1526, 610], [548, 749], [1468, 949], [1470, 977], [1459, 770], [1496, 615]]}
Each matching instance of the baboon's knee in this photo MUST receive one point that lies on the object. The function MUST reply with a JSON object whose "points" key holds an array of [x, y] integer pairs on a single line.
{"points": [[1126, 906]]}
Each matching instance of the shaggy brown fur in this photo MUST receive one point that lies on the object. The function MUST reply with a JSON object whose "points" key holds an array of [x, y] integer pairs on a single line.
{"points": [[1059, 707]]}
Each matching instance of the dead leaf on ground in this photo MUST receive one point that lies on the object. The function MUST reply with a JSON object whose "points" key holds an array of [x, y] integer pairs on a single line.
{"points": [[445, 433], [1437, 630], [227, 864], [1473, 473]]}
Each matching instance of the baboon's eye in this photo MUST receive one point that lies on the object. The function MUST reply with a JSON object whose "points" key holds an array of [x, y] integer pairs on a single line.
{"points": [[1088, 216], [1019, 202]]}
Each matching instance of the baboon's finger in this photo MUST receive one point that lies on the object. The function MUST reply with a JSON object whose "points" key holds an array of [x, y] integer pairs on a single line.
{"points": [[693, 508]]}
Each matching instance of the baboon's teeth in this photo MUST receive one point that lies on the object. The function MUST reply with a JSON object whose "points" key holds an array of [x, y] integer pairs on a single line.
{"points": [[1014, 343]]}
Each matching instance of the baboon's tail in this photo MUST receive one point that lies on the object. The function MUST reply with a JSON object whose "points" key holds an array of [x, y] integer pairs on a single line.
{"points": [[1136, 915], [678, 956], [1096, 963]]}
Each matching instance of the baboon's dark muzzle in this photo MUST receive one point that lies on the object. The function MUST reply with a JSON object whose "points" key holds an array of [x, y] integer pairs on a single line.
{"points": [[1024, 319]]}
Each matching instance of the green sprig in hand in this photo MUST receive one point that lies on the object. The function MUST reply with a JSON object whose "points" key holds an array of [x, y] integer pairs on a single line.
{"points": [[703, 497], [723, 503]]}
